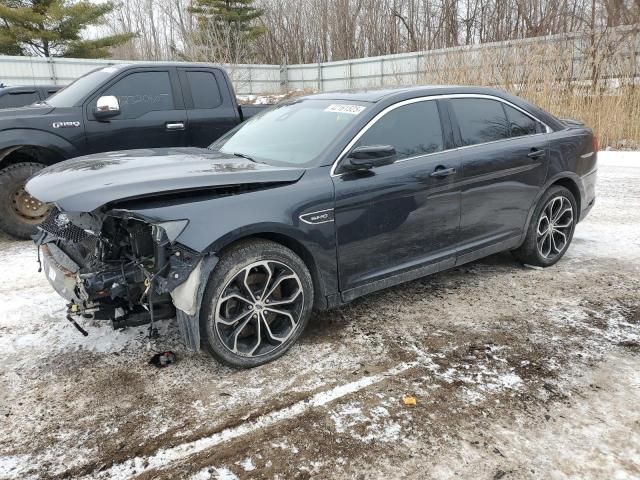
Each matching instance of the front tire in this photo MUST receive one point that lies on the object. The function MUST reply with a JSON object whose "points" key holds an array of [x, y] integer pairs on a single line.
{"points": [[551, 229], [256, 304], [20, 213]]}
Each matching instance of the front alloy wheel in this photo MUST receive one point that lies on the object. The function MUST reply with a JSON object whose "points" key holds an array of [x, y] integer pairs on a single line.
{"points": [[259, 309], [257, 302]]}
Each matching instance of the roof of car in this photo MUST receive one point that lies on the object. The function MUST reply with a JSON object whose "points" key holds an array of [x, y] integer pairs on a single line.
{"points": [[374, 95], [397, 94]]}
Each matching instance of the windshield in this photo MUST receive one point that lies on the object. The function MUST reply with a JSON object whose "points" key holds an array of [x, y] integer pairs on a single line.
{"points": [[73, 93], [291, 134]]}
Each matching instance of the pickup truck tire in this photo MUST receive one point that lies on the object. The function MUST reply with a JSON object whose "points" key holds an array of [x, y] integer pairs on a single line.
{"points": [[551, 228], [20, 213], [256, 304]]}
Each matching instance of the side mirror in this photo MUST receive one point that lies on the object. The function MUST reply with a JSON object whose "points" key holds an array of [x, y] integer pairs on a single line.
{"points": [[107, 106], [369, 156]]}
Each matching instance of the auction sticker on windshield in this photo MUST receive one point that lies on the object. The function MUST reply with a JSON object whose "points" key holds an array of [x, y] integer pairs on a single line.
{"points": [[343, 108]]}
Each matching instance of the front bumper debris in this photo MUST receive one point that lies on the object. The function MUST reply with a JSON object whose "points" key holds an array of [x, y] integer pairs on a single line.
{"points": [[61, 272]]}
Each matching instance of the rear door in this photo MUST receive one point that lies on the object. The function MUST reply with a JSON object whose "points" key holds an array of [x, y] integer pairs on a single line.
{"points": [[211, 109], [399, 221], [151, 113], [504, 163]]}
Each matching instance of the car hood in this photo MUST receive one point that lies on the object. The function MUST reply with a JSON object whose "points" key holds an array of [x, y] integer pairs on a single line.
{"points": [[85, 183], [28, 111]]}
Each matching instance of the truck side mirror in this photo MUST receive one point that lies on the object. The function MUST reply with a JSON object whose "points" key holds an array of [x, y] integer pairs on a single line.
{"points": [[107, 106]]}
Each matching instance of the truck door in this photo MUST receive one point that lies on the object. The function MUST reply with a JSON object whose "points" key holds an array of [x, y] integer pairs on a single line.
{"points": [[151, 113], [210, 104]]}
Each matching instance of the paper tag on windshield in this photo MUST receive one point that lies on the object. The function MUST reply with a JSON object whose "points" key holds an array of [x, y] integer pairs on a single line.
{"points": [[343, 108]]}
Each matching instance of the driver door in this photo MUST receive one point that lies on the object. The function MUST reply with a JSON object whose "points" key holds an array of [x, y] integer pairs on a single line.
{"points": [[151, 114], [399, 221]]}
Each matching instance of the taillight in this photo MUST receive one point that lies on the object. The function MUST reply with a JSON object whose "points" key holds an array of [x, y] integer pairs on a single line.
{"points": [[596, 144]]}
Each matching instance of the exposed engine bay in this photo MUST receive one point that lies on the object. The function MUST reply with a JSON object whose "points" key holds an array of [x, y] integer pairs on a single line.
{"points": [[111, 266]]}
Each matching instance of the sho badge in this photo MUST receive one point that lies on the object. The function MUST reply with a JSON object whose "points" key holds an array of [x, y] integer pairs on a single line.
{"points": [[65, 124], [321, 216]]}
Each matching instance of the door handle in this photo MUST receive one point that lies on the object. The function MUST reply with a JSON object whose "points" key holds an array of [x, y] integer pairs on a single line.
{"points": [[536, 153], [441, 172], [174, 125]]}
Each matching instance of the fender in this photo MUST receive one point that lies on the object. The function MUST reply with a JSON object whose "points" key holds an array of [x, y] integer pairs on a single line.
{"points": [[26, 137], [253, 230], [318, 252], [296, 240], [8, 151]]}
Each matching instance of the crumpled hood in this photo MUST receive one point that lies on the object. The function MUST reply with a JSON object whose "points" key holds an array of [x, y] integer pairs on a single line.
{"points": [[86, 183]]}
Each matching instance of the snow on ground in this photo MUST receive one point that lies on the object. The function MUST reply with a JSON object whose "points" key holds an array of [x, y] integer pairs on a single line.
{"points": [[518, 373]]}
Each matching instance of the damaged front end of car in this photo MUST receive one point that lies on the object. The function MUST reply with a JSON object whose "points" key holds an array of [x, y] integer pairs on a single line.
{"points": [[129, 238], [115, 265]]}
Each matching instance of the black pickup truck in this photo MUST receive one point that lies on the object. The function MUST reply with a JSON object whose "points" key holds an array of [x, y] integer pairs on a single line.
{"points": [[118, 107], [21, 95]]}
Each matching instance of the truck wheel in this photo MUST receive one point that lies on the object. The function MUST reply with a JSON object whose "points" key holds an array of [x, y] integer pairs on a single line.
{"points": [[256, 304], [551, 229], [20, 213]]}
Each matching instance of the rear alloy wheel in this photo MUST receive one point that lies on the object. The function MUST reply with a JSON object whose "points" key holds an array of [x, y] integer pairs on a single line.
{"points": [[555, 225], [258, 301], [20, 213], [551, 229]]}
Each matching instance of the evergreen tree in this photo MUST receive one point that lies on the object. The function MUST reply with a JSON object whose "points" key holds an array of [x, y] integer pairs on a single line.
{"points": [[229, 24], [53, 28]]}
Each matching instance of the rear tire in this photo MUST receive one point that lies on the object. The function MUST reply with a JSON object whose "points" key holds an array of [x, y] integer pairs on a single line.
{"points": [[20, 213], [551, 229], [257, 302]]}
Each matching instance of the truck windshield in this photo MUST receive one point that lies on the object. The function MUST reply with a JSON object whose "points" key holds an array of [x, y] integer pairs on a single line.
{"points": [[74, 93], [291, 134]]}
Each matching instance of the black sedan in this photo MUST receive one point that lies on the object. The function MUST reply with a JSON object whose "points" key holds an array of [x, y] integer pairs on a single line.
{"points": [[309, 205]]}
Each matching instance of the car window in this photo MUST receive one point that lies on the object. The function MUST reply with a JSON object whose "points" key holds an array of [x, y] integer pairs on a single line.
{"points": [[142, 92], [412, 130], [296, 133], [79, 89], [521, 124], [480, 120], [204, 89], [18, 99]]}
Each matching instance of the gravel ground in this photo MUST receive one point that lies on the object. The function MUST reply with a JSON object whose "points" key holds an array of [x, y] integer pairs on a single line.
{"points": [[517, 373]]}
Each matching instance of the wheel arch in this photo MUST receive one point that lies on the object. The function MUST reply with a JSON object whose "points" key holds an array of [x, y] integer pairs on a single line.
{"points": [[568, 180], [41, 147], [29, 153], [571, 185], [295, 245]]}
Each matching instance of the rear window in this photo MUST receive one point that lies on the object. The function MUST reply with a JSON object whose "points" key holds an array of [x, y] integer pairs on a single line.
{"points": [[480, 120], [204, 89], [521, 124]]}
